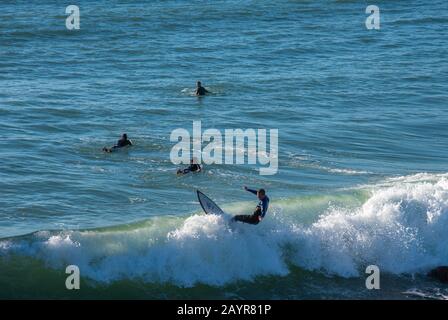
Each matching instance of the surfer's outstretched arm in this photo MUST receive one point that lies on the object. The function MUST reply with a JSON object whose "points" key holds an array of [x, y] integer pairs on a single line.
{"points": [[250, 190]]}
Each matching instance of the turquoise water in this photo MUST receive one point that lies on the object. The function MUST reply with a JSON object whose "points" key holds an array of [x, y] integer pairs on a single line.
{"points": [[362, 176]]}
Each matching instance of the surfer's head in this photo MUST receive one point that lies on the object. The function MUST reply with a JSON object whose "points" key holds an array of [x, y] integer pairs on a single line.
{"points": [[199, 84], [261, 194], [125, 136]]}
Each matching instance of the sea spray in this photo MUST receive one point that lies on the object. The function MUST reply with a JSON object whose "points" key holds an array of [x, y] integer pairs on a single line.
{"points": [[401, 228]]}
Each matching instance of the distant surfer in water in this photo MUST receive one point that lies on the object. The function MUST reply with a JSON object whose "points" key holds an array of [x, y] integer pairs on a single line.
{"points": [[200, 90], [260, 210], [193, 167], [123, 142]]}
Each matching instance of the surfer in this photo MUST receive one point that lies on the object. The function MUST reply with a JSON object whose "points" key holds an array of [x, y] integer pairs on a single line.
{"points": [[123, 142], [200, 90], [260, 210], [193, 167]]}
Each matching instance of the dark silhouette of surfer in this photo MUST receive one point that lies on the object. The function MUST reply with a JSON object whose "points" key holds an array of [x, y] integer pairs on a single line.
{"points": [[193, 167], [200, 90], [260, 210], [123, 142]]}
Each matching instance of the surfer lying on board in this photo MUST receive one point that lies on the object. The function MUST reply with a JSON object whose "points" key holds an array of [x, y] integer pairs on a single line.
{"points": [[193, 167], [260, 210], [200, 90], [123, 142]]}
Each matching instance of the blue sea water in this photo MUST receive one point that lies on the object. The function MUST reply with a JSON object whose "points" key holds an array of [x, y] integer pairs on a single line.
{"points": [[361, 114]]}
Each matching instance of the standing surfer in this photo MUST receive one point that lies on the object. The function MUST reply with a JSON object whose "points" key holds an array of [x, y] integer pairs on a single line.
{"points": [[260, 210]]}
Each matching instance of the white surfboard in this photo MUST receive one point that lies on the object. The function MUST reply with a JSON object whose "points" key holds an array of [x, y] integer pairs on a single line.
{"points": [[208, 205]]}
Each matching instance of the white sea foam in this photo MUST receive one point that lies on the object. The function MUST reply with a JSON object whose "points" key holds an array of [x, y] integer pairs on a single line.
{"points": [[402, 228]]}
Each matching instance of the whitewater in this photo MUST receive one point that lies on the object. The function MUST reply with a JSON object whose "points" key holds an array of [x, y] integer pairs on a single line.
{"points": [[398, 225]]}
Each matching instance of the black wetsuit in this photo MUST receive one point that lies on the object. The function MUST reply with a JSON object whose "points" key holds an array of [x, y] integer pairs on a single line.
{"points": [[249, 218], [201, 91], [192, 168], [122, 143], [260, 211]]}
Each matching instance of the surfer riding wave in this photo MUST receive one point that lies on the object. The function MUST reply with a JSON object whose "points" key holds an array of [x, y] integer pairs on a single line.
{"points": [[260, 210]]}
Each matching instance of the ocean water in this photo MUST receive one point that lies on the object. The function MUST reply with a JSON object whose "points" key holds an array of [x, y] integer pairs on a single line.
{"points": [[362, 178]]}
